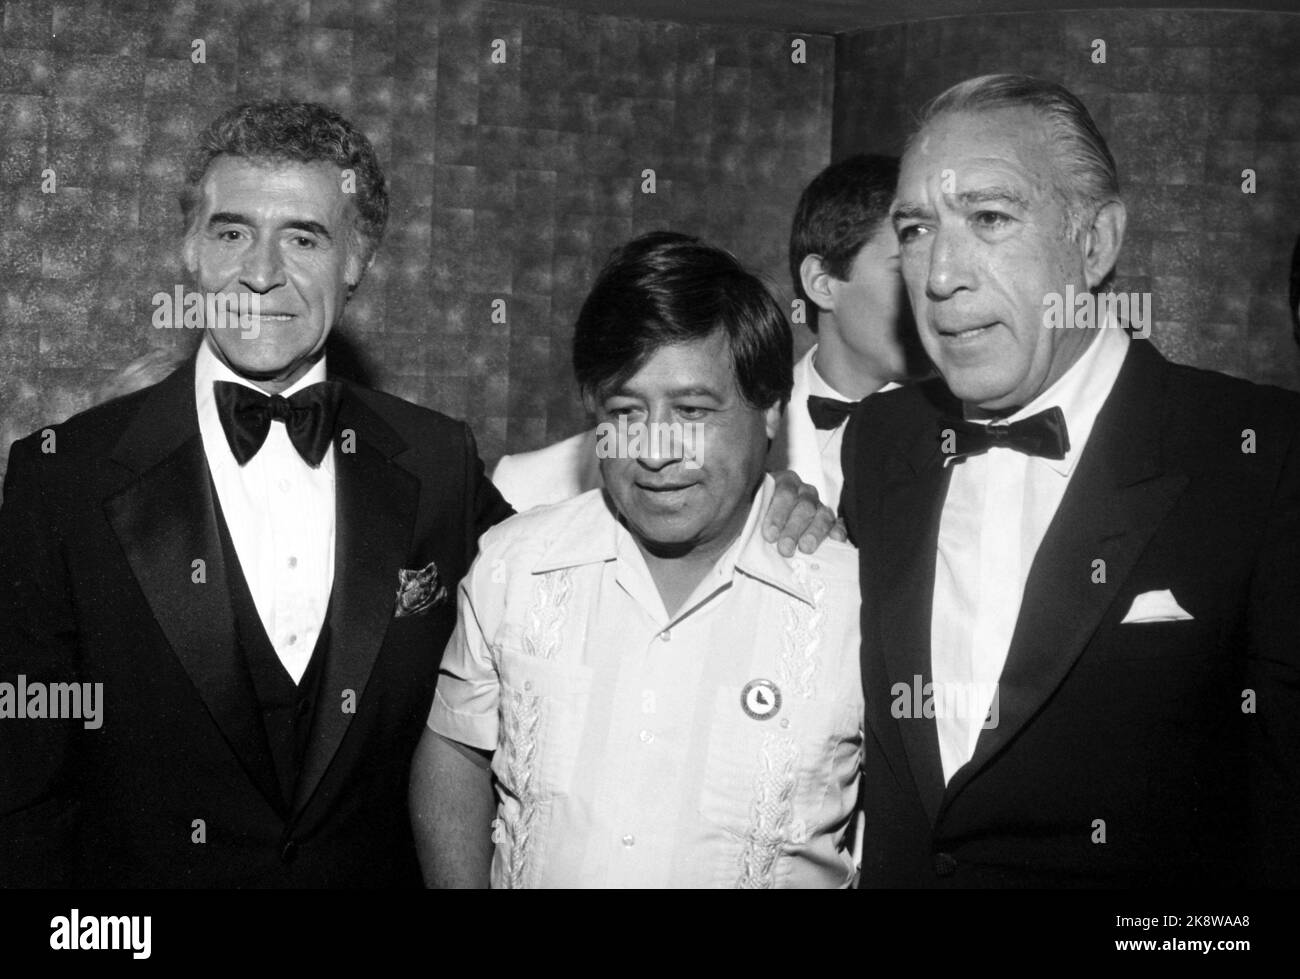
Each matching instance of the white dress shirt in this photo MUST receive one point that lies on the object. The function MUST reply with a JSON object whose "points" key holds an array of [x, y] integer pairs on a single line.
{"points": [[811, 452], [997, 510], [714, 747], [280, 513], [551, 474]]}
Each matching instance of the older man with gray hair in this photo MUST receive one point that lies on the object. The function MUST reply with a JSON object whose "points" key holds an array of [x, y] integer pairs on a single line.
{"points": [[255, 561], [1079, 625]]}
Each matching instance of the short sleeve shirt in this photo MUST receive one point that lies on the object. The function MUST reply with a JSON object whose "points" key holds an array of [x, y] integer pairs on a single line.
{"points": [[718, 747]]}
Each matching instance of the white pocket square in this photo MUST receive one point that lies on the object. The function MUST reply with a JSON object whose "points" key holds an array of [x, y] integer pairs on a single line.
{"points": [[1156, 606]]}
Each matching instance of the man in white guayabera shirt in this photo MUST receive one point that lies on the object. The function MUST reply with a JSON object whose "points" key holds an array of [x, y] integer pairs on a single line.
{"points": [[662, 699]]}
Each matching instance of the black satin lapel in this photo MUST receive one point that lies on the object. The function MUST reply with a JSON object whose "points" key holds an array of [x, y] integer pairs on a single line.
{"points": [[1062, 605], [908, 539], [166, 521], [375, 505], [1116, 499]]}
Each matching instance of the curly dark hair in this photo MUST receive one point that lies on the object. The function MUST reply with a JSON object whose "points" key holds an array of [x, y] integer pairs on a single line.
{"points": [[301, 132]]}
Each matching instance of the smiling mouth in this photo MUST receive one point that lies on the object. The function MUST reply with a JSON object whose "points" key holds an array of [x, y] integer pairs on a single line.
{"points": [[965, 335], [664, 488], [666, 495]]}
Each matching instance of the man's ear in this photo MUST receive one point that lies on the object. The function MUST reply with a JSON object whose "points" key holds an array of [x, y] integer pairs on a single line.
{"points": [[1102, 241], [190, 254], [357, 269], [772, 419], [817, 281]]}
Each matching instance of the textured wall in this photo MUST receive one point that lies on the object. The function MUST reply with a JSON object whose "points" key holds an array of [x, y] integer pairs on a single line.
{"points": [[508, 180], [1187, 101]]}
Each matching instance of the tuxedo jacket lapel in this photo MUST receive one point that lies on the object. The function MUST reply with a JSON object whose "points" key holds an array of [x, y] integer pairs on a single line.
{"points": [[165, 519], [1117, 497], [910, 539], [914, 488], [375, 506]]}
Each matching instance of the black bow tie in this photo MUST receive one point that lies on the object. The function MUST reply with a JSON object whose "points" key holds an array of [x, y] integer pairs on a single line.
{"points": [[308, 416], [829, 412], [1043, 434]]}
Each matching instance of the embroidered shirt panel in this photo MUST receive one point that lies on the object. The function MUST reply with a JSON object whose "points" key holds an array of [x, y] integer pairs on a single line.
{"points": [[715, 748]]}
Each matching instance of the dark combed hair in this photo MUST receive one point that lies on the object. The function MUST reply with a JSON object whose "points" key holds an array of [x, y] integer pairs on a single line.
{"points": [[666, 288], [838, 213], [298, 132]]}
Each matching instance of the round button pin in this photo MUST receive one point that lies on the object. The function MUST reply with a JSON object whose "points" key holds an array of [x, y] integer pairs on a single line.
{"points": [[760, 699]]}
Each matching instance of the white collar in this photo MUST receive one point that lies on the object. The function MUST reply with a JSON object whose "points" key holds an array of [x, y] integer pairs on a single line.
{"points": [[588, 541], [1081, 391], [822, 388], [208, 368]]}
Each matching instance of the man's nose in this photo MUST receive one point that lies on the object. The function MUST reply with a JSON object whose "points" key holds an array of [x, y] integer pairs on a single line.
{"points": [[662, 444], [951, 268], [263, 267]]}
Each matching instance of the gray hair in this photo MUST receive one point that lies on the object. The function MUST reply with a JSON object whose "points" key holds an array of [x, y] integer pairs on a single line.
{"points": [[1087, 176], [299, 132]]}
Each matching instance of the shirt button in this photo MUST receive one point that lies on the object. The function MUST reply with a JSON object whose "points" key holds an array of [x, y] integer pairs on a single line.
{"points": [[293, 638], [284, 486], [293, 562], [945, 864], [665, 635], [528, 684], [629, 840], [647, 737]]}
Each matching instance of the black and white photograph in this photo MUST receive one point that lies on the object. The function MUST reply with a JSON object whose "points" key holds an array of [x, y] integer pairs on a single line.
{"points": [[648, 445]]}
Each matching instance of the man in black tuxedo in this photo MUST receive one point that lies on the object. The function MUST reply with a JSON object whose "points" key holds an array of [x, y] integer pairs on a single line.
{"points": [[1080, 626], [255, 563]]}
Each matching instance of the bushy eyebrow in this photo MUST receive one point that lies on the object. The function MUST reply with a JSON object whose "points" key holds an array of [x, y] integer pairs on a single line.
{"points": [[233, 217], [907, 210], [227, 217], [992, 195]]}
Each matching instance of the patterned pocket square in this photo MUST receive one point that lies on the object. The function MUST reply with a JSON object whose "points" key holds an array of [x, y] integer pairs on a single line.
{"points": [[1156, 606], [418, 591]]}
